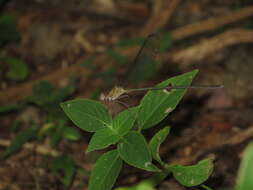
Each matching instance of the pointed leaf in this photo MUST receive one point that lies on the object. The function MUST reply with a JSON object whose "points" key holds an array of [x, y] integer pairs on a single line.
{"points": [[244, 180], [157, 104], [124, 121], [106, 171], [193, 175], [156, 141], [102, 139], [134, 150], [87, 114], [111, 135]]}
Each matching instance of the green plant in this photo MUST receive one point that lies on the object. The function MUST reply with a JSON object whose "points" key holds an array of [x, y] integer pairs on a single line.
{"points": [[131, 145], [54, 127], [244, 180]]}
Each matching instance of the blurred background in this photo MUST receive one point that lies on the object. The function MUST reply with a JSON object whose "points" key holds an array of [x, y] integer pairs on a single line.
{"points": [[52, 51]]}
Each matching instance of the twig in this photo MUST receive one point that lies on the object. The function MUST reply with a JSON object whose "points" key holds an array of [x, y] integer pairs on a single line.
{"points": [[162, 13], [215, 44], [212, 23], [41, 149], [21, 91]]}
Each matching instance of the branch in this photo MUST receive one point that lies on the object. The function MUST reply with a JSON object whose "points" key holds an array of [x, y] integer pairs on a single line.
{"points": [[211, 23], [208, 47], [162, 13]]}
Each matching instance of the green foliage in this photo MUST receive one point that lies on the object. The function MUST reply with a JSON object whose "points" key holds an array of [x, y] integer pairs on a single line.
{"points": [[8, 29], [64, 168], [106, 171], [193, 175], [17, 68], [132, 147], [155, 143], [55, 128], [108, 132], [134, 150], [48, 97], [88, 115], [143, 185], [157, 104], [21, 138], [244, 180]]}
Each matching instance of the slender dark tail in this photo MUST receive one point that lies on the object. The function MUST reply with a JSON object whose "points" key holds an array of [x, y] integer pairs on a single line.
{"points": [[178, 87]]}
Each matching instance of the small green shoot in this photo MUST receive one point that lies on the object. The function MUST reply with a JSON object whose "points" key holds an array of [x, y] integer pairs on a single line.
{"points": [[131, 146]]}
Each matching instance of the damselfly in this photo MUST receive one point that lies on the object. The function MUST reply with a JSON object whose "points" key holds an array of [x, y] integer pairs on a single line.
{"points": [[148, 51]]}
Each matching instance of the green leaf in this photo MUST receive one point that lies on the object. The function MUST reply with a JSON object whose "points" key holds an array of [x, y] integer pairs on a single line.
{"points": [[48, 97], [102, 139], [17, 68], [21, 138], [8, 29], [143, 185], [88, 115], [108, 136], [156, 141], [244, 179], [64, 164], [124, 121], [193, 175], [157, 104], [134, 150], [106, 171], [71, 134]]}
